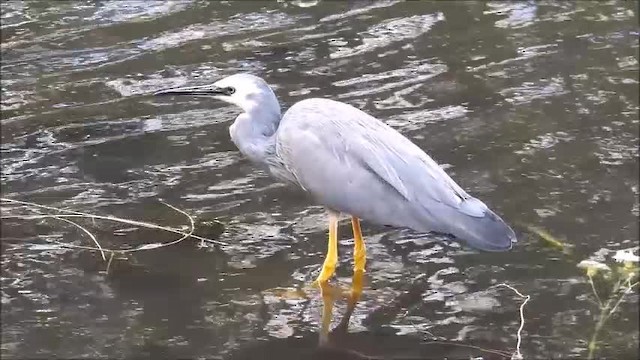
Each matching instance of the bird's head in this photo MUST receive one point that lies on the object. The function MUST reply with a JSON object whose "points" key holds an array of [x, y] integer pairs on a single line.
{"points": [[246, 91]]}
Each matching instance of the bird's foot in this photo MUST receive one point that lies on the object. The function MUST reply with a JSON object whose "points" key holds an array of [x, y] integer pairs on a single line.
{"points": [[352, 291], [325, 274]]}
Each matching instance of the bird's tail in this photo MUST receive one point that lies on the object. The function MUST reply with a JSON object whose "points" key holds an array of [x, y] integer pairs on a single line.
{"points": [[478, 226]]}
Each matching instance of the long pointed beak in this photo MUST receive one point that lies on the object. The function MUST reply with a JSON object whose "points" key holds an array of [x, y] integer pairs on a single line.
{"points": [[201, 90]]}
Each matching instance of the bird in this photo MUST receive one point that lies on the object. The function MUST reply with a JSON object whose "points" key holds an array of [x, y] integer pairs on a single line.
{"points": [[353, 164]]}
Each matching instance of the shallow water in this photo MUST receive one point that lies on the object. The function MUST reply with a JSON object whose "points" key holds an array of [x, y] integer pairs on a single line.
{"points": [[532, 106]]}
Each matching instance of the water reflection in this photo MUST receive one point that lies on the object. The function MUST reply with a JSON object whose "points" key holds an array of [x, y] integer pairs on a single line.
{"points": [[334, 339], [329, 295]]}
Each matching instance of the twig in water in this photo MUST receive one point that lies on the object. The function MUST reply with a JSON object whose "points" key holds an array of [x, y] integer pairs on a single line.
{"points": [[71, 213], [123, 251], [109, 263], [88, 233], [518, 355]]}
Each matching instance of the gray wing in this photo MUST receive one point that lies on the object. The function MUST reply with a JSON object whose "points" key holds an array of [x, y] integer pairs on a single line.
{"points": [[354, 163]]}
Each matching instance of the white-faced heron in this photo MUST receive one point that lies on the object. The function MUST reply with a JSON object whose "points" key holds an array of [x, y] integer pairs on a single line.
{"points": [[352, 163]]}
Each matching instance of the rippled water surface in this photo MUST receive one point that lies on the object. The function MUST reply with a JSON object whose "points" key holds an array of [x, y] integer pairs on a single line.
{"points": [[531, 106]]}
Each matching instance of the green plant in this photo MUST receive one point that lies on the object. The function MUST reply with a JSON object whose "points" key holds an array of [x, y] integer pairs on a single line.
{"points": [[622, 279]]}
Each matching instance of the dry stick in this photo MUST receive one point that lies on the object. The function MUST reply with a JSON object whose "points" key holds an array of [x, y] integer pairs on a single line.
{"points": [[110, 218], [115, 219], [143, 247], [526, 298], [88, 233], [106, 271]]}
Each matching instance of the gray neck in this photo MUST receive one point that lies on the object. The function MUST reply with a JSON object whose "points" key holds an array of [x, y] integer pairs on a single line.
{"points": [[253, 132]]}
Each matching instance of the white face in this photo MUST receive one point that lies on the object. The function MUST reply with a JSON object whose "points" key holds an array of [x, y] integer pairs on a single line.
{"points": [[243, 90]]}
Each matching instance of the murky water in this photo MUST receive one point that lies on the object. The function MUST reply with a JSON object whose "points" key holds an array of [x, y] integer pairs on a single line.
{"points": [[532, 105]]}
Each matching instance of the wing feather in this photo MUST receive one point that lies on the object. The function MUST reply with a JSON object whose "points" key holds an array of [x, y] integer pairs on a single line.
{"points": [[319, 136], [351, 162]]}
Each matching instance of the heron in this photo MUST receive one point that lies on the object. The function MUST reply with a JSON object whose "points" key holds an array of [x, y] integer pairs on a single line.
{"points": [[352, 164]]}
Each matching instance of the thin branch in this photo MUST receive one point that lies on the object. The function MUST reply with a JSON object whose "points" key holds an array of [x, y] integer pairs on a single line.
{"points": [[518, 354], [42, 206], [71, 213], [88, 233], [594, 290], [109, 263], [115, 219], [142, 247], [626, 291]]}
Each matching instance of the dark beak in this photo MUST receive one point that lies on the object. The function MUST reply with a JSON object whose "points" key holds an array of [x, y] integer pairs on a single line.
{"points": [[201, 90]]}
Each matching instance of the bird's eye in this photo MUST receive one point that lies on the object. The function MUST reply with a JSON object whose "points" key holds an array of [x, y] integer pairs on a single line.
{"points": [[230, 90]]}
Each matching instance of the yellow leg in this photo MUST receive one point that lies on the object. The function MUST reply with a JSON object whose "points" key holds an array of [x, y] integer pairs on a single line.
{"points": [[329, 265], [359, 249]]}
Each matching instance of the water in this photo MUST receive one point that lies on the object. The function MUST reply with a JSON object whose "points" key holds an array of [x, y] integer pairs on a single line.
{"points": [[533, 106]]}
